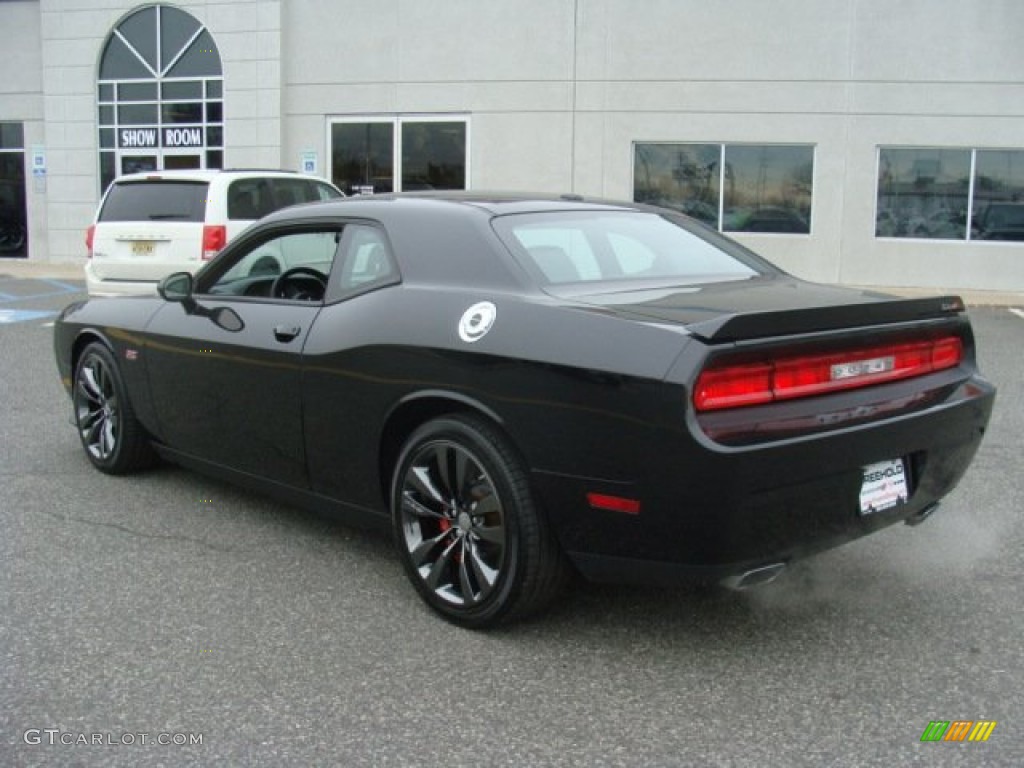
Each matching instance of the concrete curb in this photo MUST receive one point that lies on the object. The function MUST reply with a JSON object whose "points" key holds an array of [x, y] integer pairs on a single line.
{"points": [[72, 270]]}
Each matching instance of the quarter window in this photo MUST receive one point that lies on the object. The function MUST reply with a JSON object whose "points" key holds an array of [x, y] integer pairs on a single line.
{"points": [[730, 187]]}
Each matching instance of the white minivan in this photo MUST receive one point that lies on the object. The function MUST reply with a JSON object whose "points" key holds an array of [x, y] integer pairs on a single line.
{"points": [[151, 224]]}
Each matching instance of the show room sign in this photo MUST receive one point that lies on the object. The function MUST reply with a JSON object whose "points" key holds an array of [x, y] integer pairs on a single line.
{"points": [[147, 138]]}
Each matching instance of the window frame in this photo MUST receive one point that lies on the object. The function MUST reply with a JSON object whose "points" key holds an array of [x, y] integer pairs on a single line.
{"points": [[396, 122], [971, 212], [723, 146]]}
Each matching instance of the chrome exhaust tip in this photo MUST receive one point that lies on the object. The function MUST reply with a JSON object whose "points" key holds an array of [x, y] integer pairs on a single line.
{"points": [[754, 577], [921, 515]]}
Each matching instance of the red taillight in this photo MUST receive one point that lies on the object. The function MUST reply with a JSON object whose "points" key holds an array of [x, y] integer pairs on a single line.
{"points": [[90, 233], [785, 378], [214, 238]]}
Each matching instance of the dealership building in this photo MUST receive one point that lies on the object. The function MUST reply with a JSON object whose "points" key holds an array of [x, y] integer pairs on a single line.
{"points": [[868, 142]]}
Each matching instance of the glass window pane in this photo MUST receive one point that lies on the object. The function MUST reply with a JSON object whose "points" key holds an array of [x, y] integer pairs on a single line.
{"points": [[136, 201], [433, 156], [136, 114], [106, 92], [108, 170], [12, 136], [182, 90], [201, 59], [139, 30], [106, 114], [119, 63], [107, 138], [214, 89], [182, 113], [215, 158], [768, 189], [683, 177], [14, 241], [998, 195], [136, 91], [922, 193], [214, 136], [176, 28], [362, 157], [214, 112]]}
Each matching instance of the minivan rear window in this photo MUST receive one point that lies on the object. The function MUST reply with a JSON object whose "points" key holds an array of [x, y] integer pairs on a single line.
{"points": [[153, 200]]}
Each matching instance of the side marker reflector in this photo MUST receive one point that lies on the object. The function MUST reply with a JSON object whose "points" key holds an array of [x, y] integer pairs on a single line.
{"points": [[614, 503]]}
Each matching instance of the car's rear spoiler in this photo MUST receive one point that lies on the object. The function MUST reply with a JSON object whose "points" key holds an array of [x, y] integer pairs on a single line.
{"points": [[759, 325]]}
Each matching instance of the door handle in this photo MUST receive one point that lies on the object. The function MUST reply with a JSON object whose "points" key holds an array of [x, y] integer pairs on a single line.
{"points": [[286, 333]]}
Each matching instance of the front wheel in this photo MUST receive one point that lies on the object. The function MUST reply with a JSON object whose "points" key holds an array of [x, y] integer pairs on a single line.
{"points": [[471, 537], [113, 439]]}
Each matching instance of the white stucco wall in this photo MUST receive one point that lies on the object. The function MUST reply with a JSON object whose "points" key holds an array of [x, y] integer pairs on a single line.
{"points": [[247, 33], [557, 91]]}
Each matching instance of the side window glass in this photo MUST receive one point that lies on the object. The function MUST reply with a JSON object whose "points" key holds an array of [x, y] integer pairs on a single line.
{"points": [[367, 259], [248, 199], [290, 266]]}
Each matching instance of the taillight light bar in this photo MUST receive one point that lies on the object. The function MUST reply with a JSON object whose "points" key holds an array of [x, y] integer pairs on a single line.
{"points": [[215, 236], [725, 385], [90, 233]]}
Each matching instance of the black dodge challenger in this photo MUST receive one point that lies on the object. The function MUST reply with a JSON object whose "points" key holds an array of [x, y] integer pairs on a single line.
{"points": [[520, 386]]}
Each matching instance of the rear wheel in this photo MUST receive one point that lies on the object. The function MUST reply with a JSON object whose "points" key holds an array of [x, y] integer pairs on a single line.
{"points": [[113, 439], [472, 539]]}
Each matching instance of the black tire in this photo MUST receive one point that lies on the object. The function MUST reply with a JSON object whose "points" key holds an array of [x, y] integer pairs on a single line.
{"points": [[114, 440], [472, 539]]}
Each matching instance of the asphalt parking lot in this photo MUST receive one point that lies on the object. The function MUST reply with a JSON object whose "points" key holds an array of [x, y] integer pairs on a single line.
{"points": [[175, 606]]}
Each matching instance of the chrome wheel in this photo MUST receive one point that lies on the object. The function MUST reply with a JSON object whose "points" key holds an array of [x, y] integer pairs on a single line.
{"points": [[453, 523], [97, 409]]}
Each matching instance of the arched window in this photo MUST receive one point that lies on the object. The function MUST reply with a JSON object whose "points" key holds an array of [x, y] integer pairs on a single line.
{"points": [[160, 95]]}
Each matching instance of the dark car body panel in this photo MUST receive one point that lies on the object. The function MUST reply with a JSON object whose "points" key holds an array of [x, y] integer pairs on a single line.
{"points": [[593, 388]]}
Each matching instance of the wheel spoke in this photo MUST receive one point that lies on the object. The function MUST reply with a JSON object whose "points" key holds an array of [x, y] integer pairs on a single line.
{"points": [[420, 510], [494, 534], [485, 575], [419, 477], [486, 501], [469, 595], [421, 553], [440, 566], [90, 387]]}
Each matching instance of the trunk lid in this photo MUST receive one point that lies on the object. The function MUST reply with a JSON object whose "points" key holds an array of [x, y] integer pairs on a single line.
{"points": [[765, 307]]}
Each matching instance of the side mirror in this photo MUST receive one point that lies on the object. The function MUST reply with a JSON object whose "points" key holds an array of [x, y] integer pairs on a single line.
{"points": [[176, 287]]}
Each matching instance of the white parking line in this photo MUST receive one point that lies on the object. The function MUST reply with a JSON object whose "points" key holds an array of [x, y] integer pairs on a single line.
{"points": [[1018, 312]]}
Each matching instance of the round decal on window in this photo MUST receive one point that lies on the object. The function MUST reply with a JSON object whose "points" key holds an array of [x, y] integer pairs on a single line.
{"points": [[477, 321]]}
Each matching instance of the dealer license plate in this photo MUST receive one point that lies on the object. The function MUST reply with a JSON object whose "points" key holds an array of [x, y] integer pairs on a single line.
{"points": [[884, 486], [143, 247]]}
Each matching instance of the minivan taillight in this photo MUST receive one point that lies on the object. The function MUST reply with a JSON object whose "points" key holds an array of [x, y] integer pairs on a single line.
{"points": [[725, 385], [214, 238], [90, 233]]}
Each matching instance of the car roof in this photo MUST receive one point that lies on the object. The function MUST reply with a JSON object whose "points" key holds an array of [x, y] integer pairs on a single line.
{"points": [[209, 175], [456, 202]]}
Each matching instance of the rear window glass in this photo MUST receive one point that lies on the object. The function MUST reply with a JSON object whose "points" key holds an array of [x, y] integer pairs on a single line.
{"points": [[592, 246], [255, 198], [156, 201]]}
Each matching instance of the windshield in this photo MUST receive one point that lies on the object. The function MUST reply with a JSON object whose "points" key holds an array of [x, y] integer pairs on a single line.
{"points": [[615, 246]]}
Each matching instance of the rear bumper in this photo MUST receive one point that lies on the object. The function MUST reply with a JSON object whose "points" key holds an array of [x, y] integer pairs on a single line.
{"points": [[97, 286], [708, 512]]}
